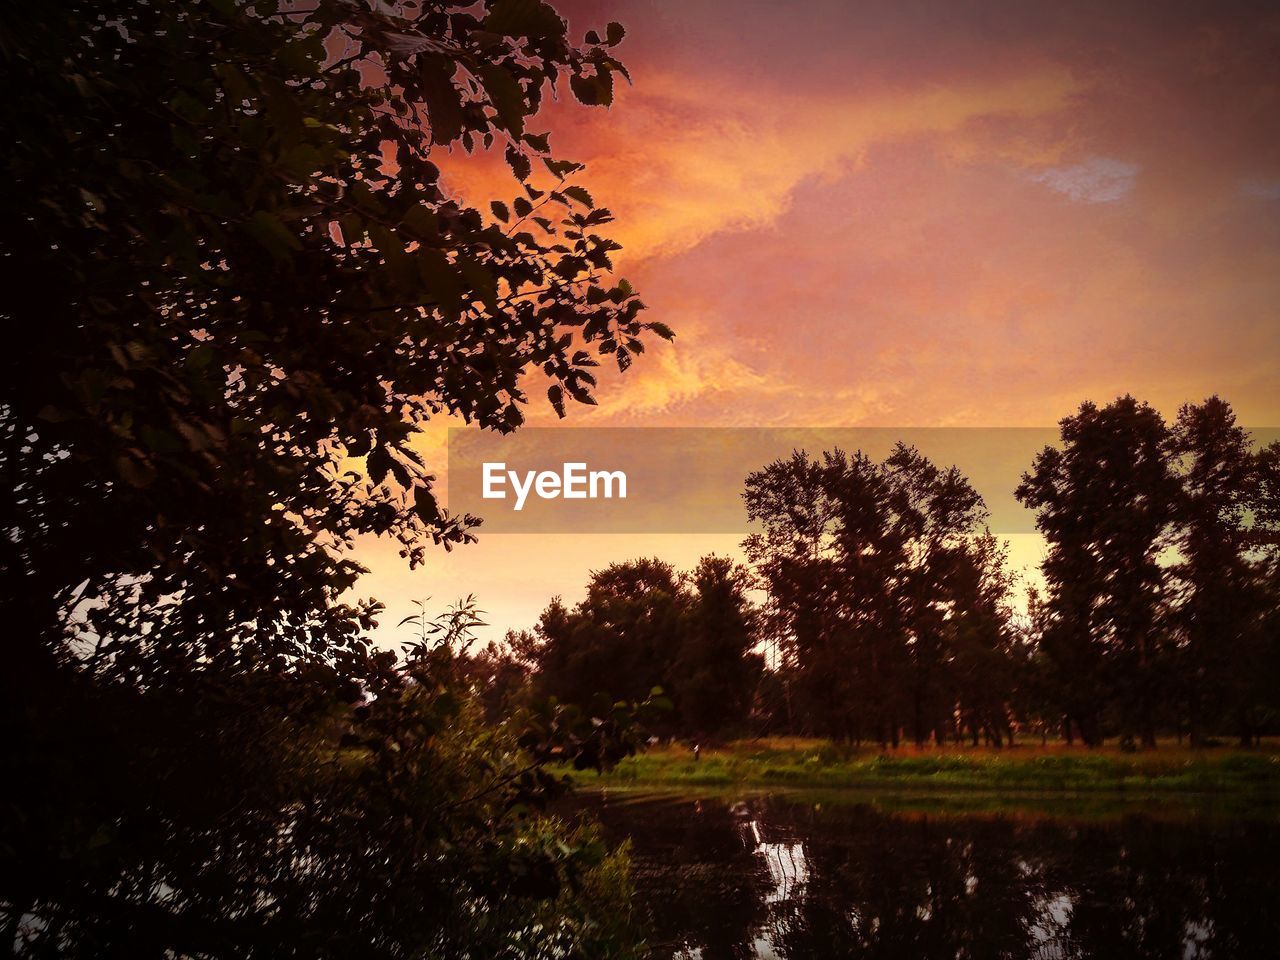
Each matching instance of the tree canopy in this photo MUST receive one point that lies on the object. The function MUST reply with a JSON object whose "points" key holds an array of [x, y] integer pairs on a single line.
{"points": [[234, 272], [238, 285]]}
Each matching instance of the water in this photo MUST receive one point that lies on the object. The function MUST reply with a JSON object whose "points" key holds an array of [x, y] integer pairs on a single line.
{"points": [[794, 877]]}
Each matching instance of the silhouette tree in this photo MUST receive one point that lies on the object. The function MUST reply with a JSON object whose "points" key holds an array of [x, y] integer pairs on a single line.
{"points": [[237, 288], [1220, 602], [234, 271], [643, 625], [868, 567], [716, 669], [620, 641], [1103, 502], [1254, 689]]}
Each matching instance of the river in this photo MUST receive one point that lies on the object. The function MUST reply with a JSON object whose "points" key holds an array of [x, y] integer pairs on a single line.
{"points": [[793, 876]]}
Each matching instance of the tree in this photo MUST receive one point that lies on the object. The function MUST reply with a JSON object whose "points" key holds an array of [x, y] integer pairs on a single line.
{"points": [[984, 654], [1220, 601], [868, 567], [1254, 705], [234, 272], [644, 625], [716, 670], [1103, 502], [237, 286], [827, 593], [619, 641]]}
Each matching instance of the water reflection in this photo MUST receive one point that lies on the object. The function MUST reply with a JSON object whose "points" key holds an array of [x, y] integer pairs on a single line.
{"points": [[773, 877]]}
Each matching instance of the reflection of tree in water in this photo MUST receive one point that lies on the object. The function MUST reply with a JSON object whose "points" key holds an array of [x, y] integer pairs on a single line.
{"points": [[773, 878], [701, 881], [881, 886]]}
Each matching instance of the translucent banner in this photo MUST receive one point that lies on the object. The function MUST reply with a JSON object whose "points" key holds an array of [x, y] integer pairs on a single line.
{"points": [[691, 479]]}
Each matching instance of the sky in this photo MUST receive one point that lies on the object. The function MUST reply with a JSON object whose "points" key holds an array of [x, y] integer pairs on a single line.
{"points": [[908, 214]]}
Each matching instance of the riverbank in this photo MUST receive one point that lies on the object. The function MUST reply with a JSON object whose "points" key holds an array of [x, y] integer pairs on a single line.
{"points": [[819, 764]]}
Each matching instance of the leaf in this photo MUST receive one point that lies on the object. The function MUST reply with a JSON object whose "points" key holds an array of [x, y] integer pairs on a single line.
{"points": [[272, 235], [662, 330], [483, 281], [595, 90], [200, 356], [500, 210], [137, 474], [439, 276], [622, 291], [523, 207], [520, 165], [539, 141], [378, 464], [524, 18], [506, 96], [580, 194], [614, 33], [444, 103], [559, 168], [556, 396]]}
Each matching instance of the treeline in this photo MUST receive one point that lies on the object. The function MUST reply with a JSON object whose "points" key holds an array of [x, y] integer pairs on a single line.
{"points": [[876, 605]]}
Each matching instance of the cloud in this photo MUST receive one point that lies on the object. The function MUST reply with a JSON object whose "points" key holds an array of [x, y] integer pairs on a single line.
{"points": [[670, 377], [1097, 180], [679, 163], [1261, 189], [688, 164]]}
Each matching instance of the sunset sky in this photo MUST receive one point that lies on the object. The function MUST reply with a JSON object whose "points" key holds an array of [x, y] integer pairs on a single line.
{"points": [[910, 214]]}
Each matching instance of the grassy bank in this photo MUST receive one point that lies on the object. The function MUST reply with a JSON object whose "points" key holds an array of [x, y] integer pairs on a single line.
{"points": [[1053, 769]]}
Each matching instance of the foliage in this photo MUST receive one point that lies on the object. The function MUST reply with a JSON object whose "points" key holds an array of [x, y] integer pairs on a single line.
{"points": [[235, 276], [237, 287], [251, 815], [888, 604], [1220, 577], [716, 670], [1158, 587], [643, 626], [886, 592], [1103, 502]]}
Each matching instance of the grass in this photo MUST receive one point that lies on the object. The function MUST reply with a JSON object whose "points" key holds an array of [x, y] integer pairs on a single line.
{"points": [[1054, 769]]}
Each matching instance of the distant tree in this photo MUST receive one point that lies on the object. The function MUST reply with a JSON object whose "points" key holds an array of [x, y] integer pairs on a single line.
{"points": [[955, 603], [984, 657], [823, 556], [1103, 502], [878, 575], [498, 678], [1254, 690], [1217, 572], [716, 669], [644, 625], [619, 641]]}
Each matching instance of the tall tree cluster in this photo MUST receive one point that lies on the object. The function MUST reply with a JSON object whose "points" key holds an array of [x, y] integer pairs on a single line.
{"points": [[886, 593], [1161, 573], [885, 609]]}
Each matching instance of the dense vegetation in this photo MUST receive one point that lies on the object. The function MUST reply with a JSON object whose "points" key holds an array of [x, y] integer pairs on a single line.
{"points": [[887, 608], [236, 286]]}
